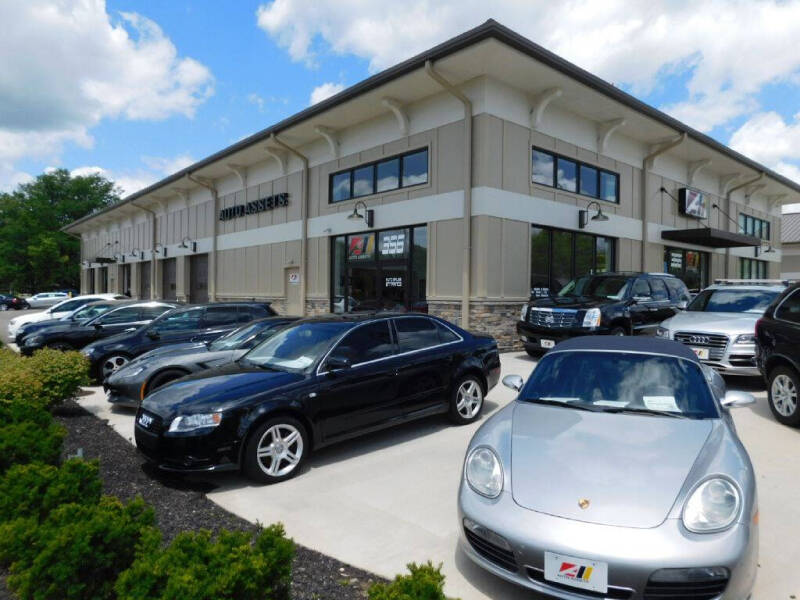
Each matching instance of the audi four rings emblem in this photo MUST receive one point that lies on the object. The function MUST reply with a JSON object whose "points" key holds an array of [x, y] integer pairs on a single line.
{"points": [[698, 339]]}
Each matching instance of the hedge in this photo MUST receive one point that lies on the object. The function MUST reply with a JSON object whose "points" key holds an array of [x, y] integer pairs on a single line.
{"points": [[424, 582], [45, 379], [195, 567], [27, 442], [78, 552]]}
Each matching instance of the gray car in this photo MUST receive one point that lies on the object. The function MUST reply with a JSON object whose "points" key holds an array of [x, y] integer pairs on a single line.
{"points": [[616, 473], [719, 324], [131, 383]]}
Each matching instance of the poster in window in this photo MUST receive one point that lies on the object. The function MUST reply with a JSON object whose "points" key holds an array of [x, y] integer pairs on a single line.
{"points": [[361, 247], [393, 243], [692, 203], [676, 260]]}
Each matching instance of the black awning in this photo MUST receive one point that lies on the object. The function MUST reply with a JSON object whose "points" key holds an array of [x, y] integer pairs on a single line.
{"points": [[712, 238], [105, 260]]}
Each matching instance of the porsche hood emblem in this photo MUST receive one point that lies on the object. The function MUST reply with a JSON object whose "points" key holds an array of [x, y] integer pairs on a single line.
{"points": [[583, 503]]}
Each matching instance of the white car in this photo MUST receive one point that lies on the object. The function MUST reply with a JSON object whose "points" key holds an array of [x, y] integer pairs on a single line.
{"points": [[46, 299], [63, 309]]}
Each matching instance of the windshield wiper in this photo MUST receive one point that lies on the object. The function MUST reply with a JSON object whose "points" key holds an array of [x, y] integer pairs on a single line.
{"points": [[548, 402], [647, 411]]}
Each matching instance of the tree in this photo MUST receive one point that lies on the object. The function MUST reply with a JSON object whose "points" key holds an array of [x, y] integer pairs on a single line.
{"points": [[35, 254]]}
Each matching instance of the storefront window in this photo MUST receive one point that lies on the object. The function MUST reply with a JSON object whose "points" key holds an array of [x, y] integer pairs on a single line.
{"points": [[381, 176], [754, 226], [690, 266], [567, 175], [558, 256], [573, 176], [750, 268]]}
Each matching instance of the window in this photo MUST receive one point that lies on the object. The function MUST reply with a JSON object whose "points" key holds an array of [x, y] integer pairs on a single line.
{"points": [[416, 333], [641, 289], [677, 290], [216, 316], [148, 313], [750, 268], [182, 321], [367, 342], [732, 301], [75, 304], [659, 289], [389, 174], [128, 314], [690, 266], [789, 309], [569, 175], [749, 225]]}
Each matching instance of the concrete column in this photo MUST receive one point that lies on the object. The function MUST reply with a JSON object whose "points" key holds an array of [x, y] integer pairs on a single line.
{"points": [[182, 278], [98, 286], [135, 274], [114, 279]]}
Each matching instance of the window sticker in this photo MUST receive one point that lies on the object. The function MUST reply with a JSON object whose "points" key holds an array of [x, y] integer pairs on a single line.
{"points": [[611, 403], [666, 403]]}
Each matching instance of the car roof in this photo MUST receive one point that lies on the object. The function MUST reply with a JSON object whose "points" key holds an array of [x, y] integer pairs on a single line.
{"points": [[358, 317], [744, 286], [639, 344]]}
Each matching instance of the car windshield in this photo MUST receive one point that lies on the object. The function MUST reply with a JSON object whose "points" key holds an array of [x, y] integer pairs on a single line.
{"points": [[621, 382], [733, 301], [600, 286], [91, 311], [232, 340], [297, 347]]}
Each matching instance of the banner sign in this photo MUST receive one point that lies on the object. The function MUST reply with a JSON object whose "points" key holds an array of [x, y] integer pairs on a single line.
{"points": [[254, 207], [692, 203]]}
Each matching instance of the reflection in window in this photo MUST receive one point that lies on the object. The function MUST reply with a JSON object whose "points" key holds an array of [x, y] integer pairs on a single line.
{"points": [[609, 184], [363, 183], [340, 187], [415, 168], [567, 175], [540, 261], [543, 164], [388, 175], [588, 181], [419, 268], [750, 268], [573, 176]]}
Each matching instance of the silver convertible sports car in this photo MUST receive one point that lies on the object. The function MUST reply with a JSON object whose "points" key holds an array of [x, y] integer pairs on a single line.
{"points": [[616, 473]]}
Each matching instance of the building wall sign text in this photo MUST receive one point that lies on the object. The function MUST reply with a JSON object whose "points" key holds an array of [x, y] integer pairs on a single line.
{"points": [[254, 207]]}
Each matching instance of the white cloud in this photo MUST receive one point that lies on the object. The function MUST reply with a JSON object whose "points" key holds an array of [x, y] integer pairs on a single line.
{"points": [[69, 65], [168, 166], [768, 138], [323, 91]]}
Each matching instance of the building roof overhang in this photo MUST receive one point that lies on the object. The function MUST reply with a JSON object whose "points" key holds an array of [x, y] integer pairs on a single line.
{"points": [[710, 238]]}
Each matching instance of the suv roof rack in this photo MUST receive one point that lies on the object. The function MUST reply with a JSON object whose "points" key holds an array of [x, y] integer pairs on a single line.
{"points": [[753, 281]]}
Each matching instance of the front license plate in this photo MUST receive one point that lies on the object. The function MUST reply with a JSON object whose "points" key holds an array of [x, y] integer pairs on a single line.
{"points": [[145, 420], [576, 572], [547, 343], [702, 353]]}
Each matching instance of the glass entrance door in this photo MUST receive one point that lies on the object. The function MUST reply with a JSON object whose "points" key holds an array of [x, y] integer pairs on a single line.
{"points": [[393, 286]]}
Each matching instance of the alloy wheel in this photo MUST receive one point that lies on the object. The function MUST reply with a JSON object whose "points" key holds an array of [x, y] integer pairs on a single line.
{"points": [[280, 450], [113, 363], [784, 395], [469, 399]]}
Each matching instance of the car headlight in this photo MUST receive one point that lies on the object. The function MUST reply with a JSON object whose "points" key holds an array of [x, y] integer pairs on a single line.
{"points": [[592, 318], [192, 422], [662, 332], [746, 338], [713, 505], [484, 472], [34, 340], [524, 312], [130, 370]]}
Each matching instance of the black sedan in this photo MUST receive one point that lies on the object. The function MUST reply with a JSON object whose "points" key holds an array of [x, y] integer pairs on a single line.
{"points": [[71, 336], [79, 317], [315, 382], [11, 302], [130, 384]]}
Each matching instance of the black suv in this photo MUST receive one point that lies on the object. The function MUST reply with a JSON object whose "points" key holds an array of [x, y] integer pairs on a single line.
{"points": [[199, 323], [606, 304], [778, 355]]}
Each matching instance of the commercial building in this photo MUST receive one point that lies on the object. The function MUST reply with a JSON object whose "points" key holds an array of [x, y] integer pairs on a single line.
{"points": [[385, 195], [790, 245]]}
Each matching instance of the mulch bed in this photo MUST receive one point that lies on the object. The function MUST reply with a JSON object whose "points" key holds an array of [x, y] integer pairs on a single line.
{"points": [[181, 505]]}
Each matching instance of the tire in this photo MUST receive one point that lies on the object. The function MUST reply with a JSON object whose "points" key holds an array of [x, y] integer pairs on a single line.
{"points": [[466, 400], [3, 306], [63, 346], [291, 444], [533, 352], [162, 379], [111, 363], [783, 392], [618, 331]]}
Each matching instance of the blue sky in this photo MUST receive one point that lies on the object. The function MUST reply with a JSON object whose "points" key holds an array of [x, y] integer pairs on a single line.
{"points": [[138, 89]]}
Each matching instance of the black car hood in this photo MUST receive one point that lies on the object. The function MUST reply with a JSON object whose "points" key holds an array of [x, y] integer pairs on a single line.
{"points": [[216, 389], [573, 302]]}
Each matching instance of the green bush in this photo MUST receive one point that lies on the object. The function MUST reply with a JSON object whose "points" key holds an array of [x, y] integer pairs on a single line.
{"points": [[44, 380], [19, 412], [78, 552], [34, 490], [425, 582], [27, 442], [195, 567]]}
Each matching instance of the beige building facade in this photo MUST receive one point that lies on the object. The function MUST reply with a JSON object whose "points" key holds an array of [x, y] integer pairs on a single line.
{"points": [[453, 183]]}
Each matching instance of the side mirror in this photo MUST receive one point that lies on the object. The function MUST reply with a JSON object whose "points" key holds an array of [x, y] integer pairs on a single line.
{"points": [[735, 399], [335, 363], [683, 304], [514, 382], [152, 334]]}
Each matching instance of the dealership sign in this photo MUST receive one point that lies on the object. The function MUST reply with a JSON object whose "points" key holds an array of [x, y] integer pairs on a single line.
{"points": [[254, 207], [692, 203]]}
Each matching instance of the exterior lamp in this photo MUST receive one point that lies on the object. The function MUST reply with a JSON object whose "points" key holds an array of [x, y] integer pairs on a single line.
{"points": [[368, 216], [119, 257], [188, 243], [160, 249], [765, 248], [136, 253], [85, 263], [583, 215]]}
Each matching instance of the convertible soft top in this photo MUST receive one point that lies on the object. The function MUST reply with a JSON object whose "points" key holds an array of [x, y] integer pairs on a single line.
{"points": [[612, 343]]}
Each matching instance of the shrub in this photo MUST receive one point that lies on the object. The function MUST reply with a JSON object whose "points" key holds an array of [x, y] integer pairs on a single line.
{"points": [[193, 567], [77, 552], [34, 490], [19, 384], [18, 412], [61, 373], [425, 582], [27, 442]]}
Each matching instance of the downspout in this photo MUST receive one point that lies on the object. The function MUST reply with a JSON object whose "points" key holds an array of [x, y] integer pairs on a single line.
{"points": [[212, 292], [466, 274], [645, 169], [303, 218], [152, 249], [728, 195]]}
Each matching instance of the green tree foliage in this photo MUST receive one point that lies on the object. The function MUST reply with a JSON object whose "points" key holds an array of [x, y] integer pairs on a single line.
{"points": [[35, 255]]}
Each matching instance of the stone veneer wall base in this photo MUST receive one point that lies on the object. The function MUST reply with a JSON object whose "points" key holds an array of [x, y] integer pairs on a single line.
{"points": [[498, 319]]}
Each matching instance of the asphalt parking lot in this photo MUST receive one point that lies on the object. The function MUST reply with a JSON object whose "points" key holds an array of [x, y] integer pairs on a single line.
{"points": [[386, 499]]}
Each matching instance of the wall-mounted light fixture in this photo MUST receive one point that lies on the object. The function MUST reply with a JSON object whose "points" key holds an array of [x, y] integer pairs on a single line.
{"points": [[119, 257], [160, 249], [368, 216], [188, 243], [583, 215], [85, 263], [136, 253], [764, 248]]}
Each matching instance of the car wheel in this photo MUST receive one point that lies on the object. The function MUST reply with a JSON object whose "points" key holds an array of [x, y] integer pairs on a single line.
{"points": [[63, 346], [275, 450], [162, 379], [533, 353], [467, 400], [618, 331], [783, 395], [111, 363], [3, 306]]}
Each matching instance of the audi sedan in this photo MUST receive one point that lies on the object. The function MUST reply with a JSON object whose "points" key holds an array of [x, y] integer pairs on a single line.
{"points": [[315, 382], [616, 473]]}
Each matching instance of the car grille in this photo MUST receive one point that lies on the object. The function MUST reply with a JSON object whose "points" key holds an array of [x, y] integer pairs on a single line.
{"points": [[685, 590], [492, 552], [715, 343], [552, 318], [613, 593]]}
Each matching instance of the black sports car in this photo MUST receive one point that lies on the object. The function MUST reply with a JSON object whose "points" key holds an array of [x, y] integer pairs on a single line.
{"points": [[316, 382]]}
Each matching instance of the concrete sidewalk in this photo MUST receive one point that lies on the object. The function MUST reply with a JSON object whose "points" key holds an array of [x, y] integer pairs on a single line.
{"points": [[386, 499]]}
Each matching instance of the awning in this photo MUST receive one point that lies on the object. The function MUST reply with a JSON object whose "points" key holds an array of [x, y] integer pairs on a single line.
{"points": [[105, 260], [712, 238]]}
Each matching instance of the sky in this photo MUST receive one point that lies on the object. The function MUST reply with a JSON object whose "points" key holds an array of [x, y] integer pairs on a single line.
{"points": [[138, 89]]}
